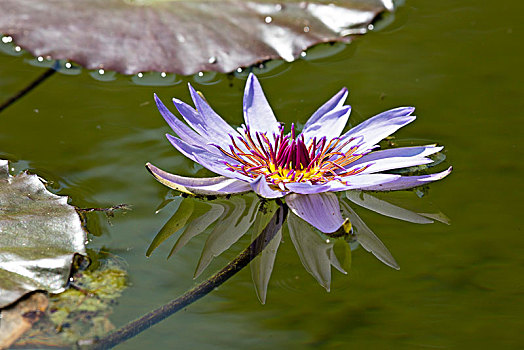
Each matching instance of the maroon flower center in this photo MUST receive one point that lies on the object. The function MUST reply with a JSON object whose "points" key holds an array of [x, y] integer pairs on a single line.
{"points": [[289, 159]]}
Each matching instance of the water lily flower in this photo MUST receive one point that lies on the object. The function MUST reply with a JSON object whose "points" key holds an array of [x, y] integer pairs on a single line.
{"points": [[305, 168]]}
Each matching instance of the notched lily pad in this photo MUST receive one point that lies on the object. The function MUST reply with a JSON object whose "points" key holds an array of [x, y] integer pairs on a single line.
{"points": [[182, 37], [39, 235]]}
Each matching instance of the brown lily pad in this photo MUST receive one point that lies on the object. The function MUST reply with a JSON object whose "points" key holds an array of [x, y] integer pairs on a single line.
{"points": [[39, 235], [181, 37]]}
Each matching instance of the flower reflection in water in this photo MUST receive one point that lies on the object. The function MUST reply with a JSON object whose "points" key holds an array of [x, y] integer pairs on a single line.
{"points": [[227, 220]]}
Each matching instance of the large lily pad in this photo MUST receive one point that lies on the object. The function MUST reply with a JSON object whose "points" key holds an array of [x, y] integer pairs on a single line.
{"points": [[39, 235], [181, 36]]}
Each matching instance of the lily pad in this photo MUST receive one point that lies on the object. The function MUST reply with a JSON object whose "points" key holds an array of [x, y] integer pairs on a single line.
{"points": [[39, 235], [185, 37]]}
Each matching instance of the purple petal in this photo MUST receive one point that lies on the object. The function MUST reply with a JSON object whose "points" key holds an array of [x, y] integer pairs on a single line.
{"points": [[396, 158], [330, 124], [208, 186], [307, 187], [190, 115], [380, 126], [332, 104], [406, 182], [361, 181], [206, 128], [211, 161], [181, 129], [258, 114], [320, 210], [185, 148], [261, 187], [205, 120]]}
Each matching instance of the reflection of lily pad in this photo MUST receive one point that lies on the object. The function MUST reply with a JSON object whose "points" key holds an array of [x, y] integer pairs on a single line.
{"points": [[181, 36], [39, 235]]}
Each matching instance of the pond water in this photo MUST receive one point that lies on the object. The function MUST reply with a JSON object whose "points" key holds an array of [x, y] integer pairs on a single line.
{"points": [[459, 286]]}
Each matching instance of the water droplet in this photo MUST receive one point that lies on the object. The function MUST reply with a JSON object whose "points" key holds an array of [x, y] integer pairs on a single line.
{"points": [[212, 60], [155, 79], [371, 27], [303, 54], [278, 7], [40, 59], [18, 48], [101, 71], [239, 70], [306, 29], [68, 65], [180, 38], [327, 241], [268, 19], [7, 39], [206, 78]]}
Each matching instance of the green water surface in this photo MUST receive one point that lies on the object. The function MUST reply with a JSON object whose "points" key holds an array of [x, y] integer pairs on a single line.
{"points": [[459, 286]]}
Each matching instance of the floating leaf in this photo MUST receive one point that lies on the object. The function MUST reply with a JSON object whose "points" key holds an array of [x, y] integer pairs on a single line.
{"points": [[39, 235], [181, 36]]}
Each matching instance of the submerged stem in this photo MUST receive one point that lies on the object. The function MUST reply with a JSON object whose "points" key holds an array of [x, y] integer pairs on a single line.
{"points": [[133, 328], [28, 88]]}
